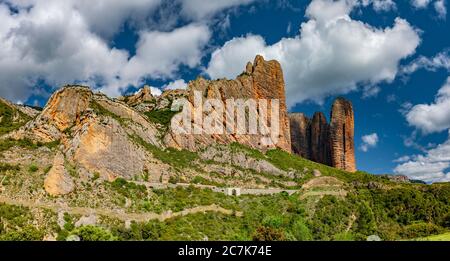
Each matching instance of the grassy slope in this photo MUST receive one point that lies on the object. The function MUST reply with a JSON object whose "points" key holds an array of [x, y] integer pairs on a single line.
{"points": [[441, 237]]}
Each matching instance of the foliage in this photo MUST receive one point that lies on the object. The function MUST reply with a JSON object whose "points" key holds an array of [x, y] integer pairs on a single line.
{"points": [[176, 158], [27, 233], [263, 233], [129, 189], [9, 120], [162, 117], [93, 233], [9, 143], [33, 168]]}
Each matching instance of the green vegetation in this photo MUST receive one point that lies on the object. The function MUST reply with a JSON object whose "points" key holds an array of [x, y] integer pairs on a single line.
{"points": [[93, 233], [11, 119], [179, 159], [7, 144], [100, 110], [441, 237], [8, 167], [33, 168], [161, 117]]}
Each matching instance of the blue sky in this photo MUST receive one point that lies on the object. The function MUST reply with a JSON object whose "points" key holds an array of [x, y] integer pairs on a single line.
{"points": [[390, 58]]}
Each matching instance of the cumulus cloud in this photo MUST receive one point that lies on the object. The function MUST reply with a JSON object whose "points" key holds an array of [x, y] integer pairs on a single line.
{"points": [[433, 164], [430, 167], [159, 54], [434, 117], [369, 141], [59, 42], [176, 85], [333, 54]]}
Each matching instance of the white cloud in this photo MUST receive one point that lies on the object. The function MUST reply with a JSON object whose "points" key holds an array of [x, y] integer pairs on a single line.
{"points": [[62, 42], [402, 159], [369, 141], [434, 117], [434, 164], [420, 3], [439, 61], [431, 167], [380, 5], [333, 54], [200, 9], [370, 91], [159, 54], [176, 85], [439, 6]]}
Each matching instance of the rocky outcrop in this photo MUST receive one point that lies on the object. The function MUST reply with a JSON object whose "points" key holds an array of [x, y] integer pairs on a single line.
{"points": [[342, 135], [261, 80], [96, 135], [58, 181], [300, 134], [331, 144], [144, 95]]}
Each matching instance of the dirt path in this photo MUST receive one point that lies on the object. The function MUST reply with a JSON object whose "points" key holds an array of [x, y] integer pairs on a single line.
{"points": [[118, 214]]}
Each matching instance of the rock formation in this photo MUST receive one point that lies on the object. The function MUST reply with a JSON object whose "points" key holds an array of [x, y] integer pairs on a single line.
{"points": [[261, 80], [58, 181], [331, 144], [300, 134], [342, 135]]}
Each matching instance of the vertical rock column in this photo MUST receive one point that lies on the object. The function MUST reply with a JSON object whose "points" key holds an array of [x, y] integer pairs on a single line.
{"points": [[300, 134], [342, 136], [320, 141]]}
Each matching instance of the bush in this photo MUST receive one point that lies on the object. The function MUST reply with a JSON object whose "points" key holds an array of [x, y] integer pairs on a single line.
{"points": [[301, 231], [263, 233], [421, 230], [344, 236], [27, 233], [162, 117], [33, 168], [93, 233]]}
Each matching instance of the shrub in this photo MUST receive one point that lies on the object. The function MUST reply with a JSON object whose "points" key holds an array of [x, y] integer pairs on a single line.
{"points": [[162, 117], [421, 230], [301, 231], [33, 168], [263, 233], [27, 233], [93, 233]]}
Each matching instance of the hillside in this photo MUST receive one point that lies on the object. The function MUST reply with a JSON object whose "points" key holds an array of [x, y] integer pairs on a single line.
{"points": [[90, 167]]}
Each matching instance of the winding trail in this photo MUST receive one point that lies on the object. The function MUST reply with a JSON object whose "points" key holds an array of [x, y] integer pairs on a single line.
{"points": [[118, 214]]}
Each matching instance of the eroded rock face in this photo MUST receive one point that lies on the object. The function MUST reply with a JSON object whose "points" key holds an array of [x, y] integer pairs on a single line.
{"points": [[261, 80], [103, 146], [300, 134], [330, 144], [63, 111], [320, 143], [96, 133], [66, 106], [342, 135], [143, 96], [58, 182]]}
